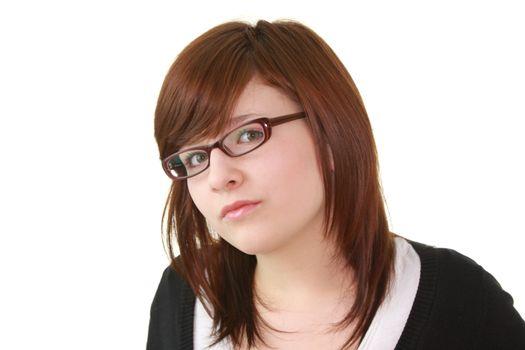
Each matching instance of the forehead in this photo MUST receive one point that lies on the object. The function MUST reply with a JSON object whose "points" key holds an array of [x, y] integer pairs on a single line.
{"points": [[259, 98]]}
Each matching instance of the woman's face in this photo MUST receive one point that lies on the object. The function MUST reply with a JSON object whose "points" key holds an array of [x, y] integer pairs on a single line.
{"points": [[279, 183]]}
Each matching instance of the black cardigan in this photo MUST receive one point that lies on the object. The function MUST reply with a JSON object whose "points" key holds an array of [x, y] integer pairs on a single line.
{"points": [[458, 305]]}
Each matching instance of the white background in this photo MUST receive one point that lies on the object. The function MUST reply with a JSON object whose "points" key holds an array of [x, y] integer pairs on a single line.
{"points": [[82, 190]]}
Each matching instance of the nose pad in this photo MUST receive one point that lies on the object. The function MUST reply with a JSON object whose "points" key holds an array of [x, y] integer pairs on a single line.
{"points": [[223, 172]]}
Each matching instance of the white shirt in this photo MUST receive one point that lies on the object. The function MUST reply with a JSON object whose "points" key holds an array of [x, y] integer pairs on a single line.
{"points": [[392, 315], [388, 322]]}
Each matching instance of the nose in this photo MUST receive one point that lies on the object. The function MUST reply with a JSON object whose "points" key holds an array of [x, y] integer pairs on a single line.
{"points": [[223, 172]]}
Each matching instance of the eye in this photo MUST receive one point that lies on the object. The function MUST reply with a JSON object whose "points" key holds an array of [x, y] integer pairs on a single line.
{"points": [[195, 159], [250, 135]]}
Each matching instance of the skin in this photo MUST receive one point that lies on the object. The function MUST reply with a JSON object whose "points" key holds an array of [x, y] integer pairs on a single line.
{"points": [[305, 287]]}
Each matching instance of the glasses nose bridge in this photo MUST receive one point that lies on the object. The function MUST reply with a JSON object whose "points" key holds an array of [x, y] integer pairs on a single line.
{"points": [[220, 145]]}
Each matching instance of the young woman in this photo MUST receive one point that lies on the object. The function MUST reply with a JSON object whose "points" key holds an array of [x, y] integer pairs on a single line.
{"points": [[277, 211]]}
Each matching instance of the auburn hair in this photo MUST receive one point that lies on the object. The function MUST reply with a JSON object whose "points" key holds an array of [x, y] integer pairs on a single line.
{"points": [[196, 101]]}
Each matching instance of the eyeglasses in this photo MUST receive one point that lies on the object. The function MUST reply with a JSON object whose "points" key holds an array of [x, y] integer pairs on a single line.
{"points": [[241, 140]]}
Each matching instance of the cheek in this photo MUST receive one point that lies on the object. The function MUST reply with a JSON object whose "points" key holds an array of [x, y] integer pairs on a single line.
{"points": [[293, 177], [296, 163], [198, 197]]}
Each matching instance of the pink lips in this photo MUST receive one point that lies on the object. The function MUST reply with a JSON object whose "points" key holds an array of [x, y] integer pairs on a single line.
{"points": [[237, 209]]}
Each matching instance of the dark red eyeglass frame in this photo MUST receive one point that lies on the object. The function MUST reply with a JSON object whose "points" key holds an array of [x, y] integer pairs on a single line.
{"points": [[267, 124]]}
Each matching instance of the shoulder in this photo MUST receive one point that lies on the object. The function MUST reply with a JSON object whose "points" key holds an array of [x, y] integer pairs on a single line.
{"points": [[171, 315], [172, 289], [454, 273], [459, 304]]}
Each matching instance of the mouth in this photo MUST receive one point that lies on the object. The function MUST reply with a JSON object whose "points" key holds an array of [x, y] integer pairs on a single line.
{"points": [[238, 210]]}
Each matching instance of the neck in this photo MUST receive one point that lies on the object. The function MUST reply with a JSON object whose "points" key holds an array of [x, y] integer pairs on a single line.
{"points": [[305, 274]]}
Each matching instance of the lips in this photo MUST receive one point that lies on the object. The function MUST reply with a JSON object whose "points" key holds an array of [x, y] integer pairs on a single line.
{"points": [[238, 209]]}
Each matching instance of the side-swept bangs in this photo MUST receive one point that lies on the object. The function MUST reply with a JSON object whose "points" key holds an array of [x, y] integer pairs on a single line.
{"points": [[201, 88], [196, 101]]}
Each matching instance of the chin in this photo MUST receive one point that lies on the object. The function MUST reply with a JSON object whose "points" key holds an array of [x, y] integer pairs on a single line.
{"points": [[252, 246], [249, 249]]}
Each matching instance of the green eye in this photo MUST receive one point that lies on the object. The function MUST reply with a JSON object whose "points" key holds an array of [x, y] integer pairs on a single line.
{"points": [[195, 159], [247, 136]]}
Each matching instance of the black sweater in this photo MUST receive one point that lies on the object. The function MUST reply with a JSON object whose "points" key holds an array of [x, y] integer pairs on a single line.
{"points": [[458, 305]]}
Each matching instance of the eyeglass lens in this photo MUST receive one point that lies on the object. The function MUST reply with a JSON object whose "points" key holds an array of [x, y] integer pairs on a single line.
{"points": [[237, 142]]}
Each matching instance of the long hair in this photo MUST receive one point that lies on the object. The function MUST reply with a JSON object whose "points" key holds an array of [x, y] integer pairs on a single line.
{"points": [[196, 100]]}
